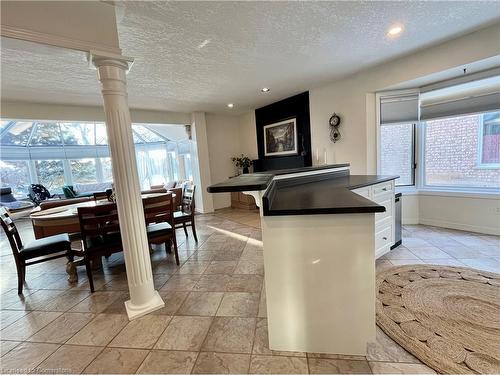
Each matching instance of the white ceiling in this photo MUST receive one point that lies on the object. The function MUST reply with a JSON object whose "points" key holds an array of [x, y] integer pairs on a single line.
{"points": [[287, 46]]}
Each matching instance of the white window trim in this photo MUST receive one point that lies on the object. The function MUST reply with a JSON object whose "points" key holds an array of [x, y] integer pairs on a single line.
{"points": [[420, 187]]}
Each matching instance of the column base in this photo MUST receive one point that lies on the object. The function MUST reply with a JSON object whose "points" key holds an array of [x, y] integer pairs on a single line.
{"points": [[136, 311]]}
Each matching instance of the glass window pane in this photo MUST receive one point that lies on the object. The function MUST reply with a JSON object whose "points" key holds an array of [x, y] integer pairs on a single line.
{"points": [[147, 134], [46, 134], [83, 171], [78, 134], [107, 170], [50, 174], [490, 150], [18, 134], [101, 137], [452, 147], [15, 174], [396, 152]]}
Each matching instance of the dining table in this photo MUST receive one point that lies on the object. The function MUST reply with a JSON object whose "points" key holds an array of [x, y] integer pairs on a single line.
{"points": [[64, 219]]}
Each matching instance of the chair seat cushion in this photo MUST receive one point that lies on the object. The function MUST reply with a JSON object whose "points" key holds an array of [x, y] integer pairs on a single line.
{"points": [[45, 246], [158, 229], [181, 215]]}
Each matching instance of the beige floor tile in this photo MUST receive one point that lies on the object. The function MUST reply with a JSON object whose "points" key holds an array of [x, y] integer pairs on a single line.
{"points": [[461, 252], [212, 283], [201, 303], [239, 304], [262, 364], [8, 317], [26, 356], [117, 361], [167, 362], [399, 368], [230, 334], [181, 283], [221, 363], [100, 331], [484, 264], [30, 301], [262, 305], [430, 253], [97, 302], [336, 356], [250, 267], [63, 328], [244, 283], [404, 262], [193, 268], [185, 333], [338, 366], [141, 333], [385, 349], [173, 300], [28, 325], [400, 253], [229, 253], [261, 342], [65, 301], [221, 267], [6, 346], [69, 359], [445, 262]]}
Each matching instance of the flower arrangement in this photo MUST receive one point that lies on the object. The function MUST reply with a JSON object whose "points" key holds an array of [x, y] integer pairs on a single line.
{"points": [[242, 162]]}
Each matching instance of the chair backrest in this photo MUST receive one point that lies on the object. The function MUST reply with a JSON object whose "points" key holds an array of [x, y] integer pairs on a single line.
{"points": [[158, 209], [100, 220], [10, 231], [188, 198], [100, 195]]}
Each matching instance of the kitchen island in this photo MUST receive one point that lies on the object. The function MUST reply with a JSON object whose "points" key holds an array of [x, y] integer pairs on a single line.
{"points": [[321, 230]]}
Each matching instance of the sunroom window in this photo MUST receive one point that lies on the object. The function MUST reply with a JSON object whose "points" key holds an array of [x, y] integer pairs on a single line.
{"points": [[55, 154]]}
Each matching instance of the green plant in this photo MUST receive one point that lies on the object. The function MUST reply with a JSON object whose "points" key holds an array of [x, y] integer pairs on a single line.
{"points": [[242, 162]]}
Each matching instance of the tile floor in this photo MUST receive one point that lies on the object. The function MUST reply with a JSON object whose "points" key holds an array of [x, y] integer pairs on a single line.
{"points": [[214, 319]]}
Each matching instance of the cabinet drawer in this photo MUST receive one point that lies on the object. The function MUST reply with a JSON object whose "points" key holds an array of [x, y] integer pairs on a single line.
{"points": [[382, 188], [364, 191], [383, 237], [388, 209]]}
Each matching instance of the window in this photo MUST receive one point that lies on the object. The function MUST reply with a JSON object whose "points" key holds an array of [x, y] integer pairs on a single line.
{"points": [[107, 170], [15, 174], [457, 148], [83, 171], [396, 156], [50, 173], [489, 140]]}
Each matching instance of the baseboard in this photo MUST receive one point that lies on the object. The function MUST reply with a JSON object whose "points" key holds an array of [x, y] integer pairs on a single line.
{"points": [[461, 226], [410, 221]]}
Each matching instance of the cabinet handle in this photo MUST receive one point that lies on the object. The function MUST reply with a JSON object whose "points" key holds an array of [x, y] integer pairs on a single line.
{"points": [[384, 238], [384, 189]]}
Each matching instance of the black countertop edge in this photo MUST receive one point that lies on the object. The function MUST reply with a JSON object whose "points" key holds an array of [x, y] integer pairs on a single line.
{"points": [[261, 180], [323, 196]]}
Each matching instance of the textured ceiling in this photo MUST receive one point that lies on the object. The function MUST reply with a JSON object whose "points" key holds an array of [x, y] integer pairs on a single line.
{"points": [[287, 46]]}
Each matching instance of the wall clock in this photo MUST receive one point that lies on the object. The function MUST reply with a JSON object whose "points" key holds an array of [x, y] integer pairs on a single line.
{"points": [[334, 128]]}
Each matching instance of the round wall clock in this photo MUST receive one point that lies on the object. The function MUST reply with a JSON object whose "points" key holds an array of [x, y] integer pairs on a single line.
{"points": [[335, 120], [334, 128]]}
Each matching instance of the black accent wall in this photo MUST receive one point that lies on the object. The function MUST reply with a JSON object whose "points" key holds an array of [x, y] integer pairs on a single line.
{"points": [[296, 106]]}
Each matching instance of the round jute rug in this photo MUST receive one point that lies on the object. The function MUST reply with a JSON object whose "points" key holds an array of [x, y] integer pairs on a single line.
{"points": [[448, 317]]}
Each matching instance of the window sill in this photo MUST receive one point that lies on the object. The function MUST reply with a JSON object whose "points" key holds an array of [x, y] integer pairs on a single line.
{"points": [[448, 193]]}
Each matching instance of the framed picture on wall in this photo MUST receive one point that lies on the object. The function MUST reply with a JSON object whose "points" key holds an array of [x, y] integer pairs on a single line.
{"points": [[280, 138]]}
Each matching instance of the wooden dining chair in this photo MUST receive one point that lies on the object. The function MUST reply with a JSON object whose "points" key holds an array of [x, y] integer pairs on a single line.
{"points": [[100, 231], [159, 217], [34, 252], [185, 216]]}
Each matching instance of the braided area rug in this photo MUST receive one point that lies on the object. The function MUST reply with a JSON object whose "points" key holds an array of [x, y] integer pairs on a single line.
{"points": [[448, 317]]}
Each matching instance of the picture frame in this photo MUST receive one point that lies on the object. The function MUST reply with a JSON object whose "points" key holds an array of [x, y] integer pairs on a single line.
{"points": [[280, 138]]}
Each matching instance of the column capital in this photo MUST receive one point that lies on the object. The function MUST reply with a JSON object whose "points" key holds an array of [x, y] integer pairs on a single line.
{"points": [[97, 59]]}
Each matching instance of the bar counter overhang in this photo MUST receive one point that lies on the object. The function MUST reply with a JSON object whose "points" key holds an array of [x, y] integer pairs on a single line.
{"points": [[319, 255]]}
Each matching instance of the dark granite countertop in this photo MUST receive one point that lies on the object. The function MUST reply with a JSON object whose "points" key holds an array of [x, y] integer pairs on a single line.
{"points": [[328, 196], [323, 193]]}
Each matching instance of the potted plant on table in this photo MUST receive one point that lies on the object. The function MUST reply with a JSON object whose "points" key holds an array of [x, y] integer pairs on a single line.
{"points": [[242, 162]]}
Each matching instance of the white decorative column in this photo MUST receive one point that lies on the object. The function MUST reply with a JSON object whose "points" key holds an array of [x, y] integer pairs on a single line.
{"points": [[111, 70]]}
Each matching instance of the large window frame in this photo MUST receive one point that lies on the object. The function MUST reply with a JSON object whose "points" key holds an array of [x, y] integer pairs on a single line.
{"points": [[418, 156], [480, 163]]}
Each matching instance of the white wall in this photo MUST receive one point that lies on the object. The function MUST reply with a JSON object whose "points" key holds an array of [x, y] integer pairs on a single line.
{"points": [[223, 143]]}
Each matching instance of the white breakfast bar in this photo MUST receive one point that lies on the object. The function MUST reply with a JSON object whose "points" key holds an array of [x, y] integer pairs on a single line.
{"points": [[322, 229]]}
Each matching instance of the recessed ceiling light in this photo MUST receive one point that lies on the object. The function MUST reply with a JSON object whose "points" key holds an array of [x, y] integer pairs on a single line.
{"points": [[395, 30], [230, 105], [265, 89]]}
